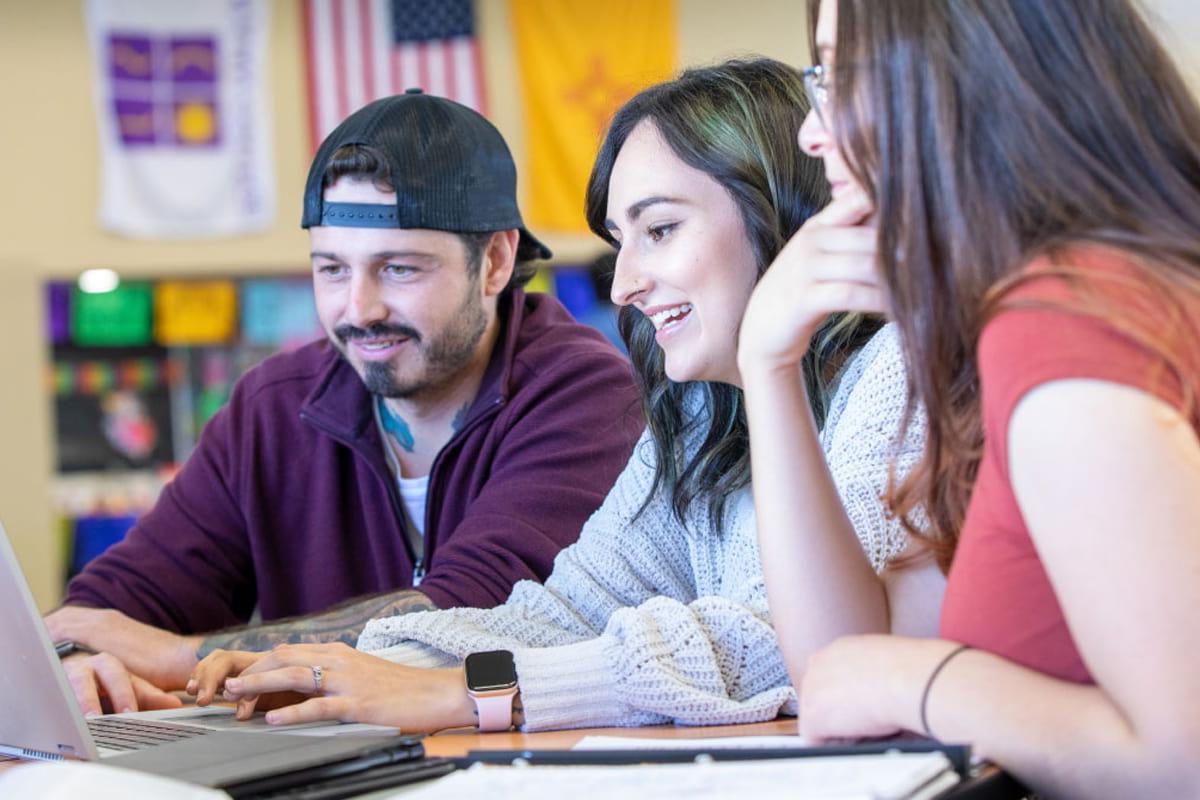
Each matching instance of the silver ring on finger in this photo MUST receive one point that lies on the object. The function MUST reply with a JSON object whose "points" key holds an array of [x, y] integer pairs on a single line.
{"points": [[318, 673]]}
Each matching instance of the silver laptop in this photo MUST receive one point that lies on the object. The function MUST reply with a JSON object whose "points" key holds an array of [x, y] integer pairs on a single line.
{"points": [[39, 718]]}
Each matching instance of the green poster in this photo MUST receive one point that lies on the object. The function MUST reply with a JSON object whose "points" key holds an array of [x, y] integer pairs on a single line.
{"points": [[117, 318]]}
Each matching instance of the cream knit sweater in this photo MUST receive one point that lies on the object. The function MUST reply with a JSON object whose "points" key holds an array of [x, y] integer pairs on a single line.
{"points": [[647, 621]]}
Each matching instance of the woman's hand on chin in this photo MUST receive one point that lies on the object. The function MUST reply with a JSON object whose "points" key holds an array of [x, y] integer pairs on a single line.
{"points": [[337, 682], [827, 267]]}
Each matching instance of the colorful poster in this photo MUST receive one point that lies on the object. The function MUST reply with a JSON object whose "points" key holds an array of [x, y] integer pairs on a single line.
{"points": [[540, 282], [361, 50], [58, 312], [94, 376], [111, 319], [182, 103], [279, 312], [105, 428], [579, 61], [194, 312], [573, 288]]}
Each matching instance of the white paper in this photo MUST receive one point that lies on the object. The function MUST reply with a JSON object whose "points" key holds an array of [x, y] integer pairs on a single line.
{"points": [[76, 780], [712, 743], [883, 777]]}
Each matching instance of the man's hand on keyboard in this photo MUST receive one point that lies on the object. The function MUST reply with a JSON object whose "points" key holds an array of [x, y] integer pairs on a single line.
{"points": [[163, 658], [102, 684]]}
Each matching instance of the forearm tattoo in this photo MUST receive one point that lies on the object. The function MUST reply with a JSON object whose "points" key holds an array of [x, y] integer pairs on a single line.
{"points": [[342, 623]]}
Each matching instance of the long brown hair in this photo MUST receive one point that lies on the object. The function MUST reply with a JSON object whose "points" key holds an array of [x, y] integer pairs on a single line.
{"points": [[990, 133]]}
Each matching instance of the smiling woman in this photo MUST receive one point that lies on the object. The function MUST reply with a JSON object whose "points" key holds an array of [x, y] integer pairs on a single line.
{"points": [[666, 240]]}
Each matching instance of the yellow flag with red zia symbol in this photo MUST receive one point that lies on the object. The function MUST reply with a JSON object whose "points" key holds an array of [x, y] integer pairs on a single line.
{"points": [[579, 61]]}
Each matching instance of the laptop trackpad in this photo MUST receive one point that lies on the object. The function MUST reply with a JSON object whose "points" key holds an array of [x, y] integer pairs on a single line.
{"points": [[220, 718]]}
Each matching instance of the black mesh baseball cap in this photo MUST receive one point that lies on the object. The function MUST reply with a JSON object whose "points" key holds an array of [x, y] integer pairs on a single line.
{"points": [[450, 168]]}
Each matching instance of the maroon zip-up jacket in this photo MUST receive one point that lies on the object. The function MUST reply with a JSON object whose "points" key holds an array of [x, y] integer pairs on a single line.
{"points": [[288, 503]]}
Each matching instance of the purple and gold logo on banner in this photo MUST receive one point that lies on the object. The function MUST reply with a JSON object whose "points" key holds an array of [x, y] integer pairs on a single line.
{"points": [[164, 90]]}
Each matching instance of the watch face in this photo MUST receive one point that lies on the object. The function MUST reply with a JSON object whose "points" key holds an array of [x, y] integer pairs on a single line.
{"points": [[490, 671]]}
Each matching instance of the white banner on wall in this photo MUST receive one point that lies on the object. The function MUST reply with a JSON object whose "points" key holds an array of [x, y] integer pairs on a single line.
{"points": [[183, 105]]}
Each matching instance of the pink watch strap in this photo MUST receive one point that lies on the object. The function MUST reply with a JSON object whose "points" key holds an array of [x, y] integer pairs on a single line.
{"points": [[495, 711]]}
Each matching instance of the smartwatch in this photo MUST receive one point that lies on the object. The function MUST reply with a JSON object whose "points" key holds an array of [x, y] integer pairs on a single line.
{"points": [[492, 684]]}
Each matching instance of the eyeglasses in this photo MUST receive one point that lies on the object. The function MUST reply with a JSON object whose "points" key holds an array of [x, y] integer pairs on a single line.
{"points": [[818, 86]]}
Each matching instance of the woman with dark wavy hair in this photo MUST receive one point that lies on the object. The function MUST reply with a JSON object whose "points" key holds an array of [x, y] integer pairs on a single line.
{"points": [[1027, 175], [659, 612]]}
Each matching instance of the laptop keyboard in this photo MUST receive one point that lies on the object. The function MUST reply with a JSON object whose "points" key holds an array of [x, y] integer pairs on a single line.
{"points": [[122, 733]]}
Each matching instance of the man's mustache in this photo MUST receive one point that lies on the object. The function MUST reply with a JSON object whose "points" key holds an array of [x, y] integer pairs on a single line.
{"points": [[381, 330]]}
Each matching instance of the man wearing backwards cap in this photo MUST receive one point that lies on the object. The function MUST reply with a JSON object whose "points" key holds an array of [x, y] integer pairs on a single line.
{"points": [[447, 441]]}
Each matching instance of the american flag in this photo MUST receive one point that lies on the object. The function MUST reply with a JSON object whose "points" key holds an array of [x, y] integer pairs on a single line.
{"points": [[361, 50]]}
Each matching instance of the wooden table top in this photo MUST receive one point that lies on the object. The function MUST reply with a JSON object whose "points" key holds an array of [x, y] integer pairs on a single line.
{"points": [[457, 743]]}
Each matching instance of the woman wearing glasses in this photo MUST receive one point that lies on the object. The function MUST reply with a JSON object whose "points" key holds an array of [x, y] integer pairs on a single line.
{"points": [[659, 612], [1030, 174]]}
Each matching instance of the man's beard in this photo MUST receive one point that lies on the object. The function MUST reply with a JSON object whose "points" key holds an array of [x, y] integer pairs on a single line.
{"points": [[441, 356]]}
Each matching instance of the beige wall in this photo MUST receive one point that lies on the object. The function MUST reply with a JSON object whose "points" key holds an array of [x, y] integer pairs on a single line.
{"points": [[48, 162]]}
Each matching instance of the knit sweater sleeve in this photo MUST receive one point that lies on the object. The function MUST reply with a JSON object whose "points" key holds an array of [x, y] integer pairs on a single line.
{"points": [[712, 661], [864, 443]]}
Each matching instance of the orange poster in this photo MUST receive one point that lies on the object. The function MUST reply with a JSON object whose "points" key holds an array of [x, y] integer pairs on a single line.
{"points": [[579, 61]]}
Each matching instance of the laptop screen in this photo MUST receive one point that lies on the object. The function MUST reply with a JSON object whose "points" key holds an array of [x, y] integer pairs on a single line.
{"points": [[40, 719]]}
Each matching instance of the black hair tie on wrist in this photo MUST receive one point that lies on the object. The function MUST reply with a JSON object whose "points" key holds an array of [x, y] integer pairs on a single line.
{"points": [[929, 685]]}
